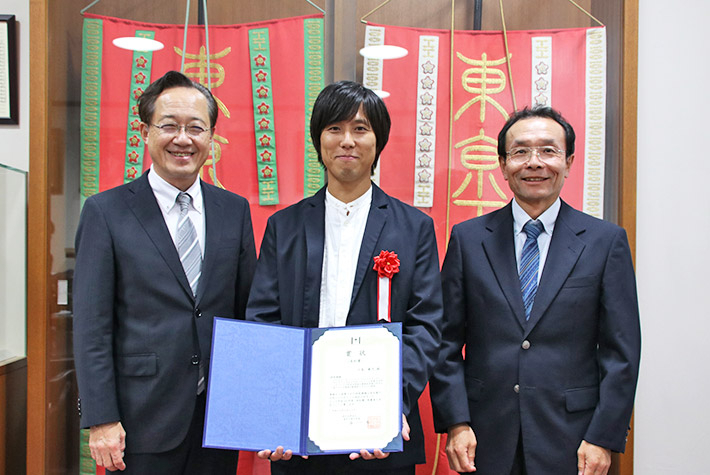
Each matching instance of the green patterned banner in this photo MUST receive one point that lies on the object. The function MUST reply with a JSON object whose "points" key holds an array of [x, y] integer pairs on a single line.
{"points": [[90, 107], [314, 70], [140, 79], [263, 101]]}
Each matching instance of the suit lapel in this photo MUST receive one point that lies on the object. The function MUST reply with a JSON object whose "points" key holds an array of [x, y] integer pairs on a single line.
{"points": [[376, 219], [314, 225], [145, 207], [565, 249], [500, 251], [214, 223]]}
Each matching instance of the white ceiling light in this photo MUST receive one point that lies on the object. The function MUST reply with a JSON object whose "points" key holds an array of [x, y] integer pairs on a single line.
{"points": [[135, 43], [382, 94], [384, 52]]}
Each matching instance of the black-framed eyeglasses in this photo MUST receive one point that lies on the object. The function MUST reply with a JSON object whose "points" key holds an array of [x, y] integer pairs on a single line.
{"points": [[544, 153], [194, 131]]}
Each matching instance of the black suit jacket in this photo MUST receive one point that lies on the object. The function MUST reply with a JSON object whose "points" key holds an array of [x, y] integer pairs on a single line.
{"points": [[138, 330], [567, 374], [287, 284]]}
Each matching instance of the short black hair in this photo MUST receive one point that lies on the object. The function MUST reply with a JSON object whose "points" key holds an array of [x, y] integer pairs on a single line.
{"points": [[340, 101], [545, 113], [170, 80]]}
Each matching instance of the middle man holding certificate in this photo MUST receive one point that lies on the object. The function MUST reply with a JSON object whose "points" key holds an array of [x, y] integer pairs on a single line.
{"points": [[318, 261]]}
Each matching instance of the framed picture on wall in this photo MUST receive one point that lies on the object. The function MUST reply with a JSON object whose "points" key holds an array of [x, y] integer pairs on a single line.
{"points": [[8, 70]]}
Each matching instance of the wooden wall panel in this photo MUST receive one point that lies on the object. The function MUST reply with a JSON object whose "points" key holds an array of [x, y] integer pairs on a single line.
{"points": [[13, 414]]}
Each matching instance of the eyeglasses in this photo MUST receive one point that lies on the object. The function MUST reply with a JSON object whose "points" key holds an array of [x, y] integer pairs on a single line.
{"points": [[193, 131], [545, 153]]}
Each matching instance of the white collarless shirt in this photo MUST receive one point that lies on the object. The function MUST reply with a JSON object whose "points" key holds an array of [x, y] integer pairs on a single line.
{"points": [[548, 218], [166, 195], [344, 230]]}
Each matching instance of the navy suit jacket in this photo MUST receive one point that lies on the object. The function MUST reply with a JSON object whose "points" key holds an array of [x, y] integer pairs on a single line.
{"points": [[567, 374], [287, 285], [138, 330]]}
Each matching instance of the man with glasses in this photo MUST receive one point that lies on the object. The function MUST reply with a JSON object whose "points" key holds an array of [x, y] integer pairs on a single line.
{"points": [[543, 297], [157, 259]]}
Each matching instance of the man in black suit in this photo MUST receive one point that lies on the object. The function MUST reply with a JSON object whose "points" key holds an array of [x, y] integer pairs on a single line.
{"points": [[315, 268], [157, 259], [544, 299]]}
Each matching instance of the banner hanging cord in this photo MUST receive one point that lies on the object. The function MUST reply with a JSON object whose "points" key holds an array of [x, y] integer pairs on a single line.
{"points": [[451, 122], [585, 12], [316, 6], [215, 181], [184, 37], [88, 6], [507, 56], [362, 20]]}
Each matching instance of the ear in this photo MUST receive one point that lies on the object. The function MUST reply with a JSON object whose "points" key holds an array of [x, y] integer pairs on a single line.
{"points": [[568, 161], [501, 164], [144, 128]]}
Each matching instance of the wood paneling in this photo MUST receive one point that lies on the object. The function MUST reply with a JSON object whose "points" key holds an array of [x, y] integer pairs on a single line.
{"points": [[13, 415], [37, 242]]}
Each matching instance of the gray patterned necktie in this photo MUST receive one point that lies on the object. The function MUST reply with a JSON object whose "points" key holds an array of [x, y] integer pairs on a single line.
{"points": [[187, 244], [191, 257]]}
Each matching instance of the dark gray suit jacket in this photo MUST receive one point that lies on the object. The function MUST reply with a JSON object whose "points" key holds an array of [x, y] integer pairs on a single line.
{"points": [[138, 330], [567, 374], [287, 284]]}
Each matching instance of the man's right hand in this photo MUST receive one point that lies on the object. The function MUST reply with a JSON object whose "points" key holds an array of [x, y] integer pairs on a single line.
{"points": [[461, 448], [107, 443]]}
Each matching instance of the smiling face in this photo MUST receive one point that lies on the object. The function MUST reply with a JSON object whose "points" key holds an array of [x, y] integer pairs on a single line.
{"points": [[348, 150], [177, 158], [536, 184]]}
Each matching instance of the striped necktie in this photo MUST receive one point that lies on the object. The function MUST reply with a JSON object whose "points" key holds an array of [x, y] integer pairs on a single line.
{"points": [[191, 257], [187, 244], [529, 264]]}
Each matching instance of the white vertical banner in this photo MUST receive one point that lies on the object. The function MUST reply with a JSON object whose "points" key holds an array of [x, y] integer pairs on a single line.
{"points": [[595, 123], [541, 77], [372, 71], [427, 82]]}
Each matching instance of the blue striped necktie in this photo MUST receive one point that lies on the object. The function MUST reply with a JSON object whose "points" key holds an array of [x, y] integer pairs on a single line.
{"points": [[529, 264]]}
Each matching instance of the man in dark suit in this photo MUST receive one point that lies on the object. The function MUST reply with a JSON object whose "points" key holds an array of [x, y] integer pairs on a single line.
{"points": [[548, 315], [157, 259], [315, 267]]}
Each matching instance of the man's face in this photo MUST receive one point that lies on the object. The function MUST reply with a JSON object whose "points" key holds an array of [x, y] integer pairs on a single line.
{"points": [[535, 183], [348, 150], [177, 158]]}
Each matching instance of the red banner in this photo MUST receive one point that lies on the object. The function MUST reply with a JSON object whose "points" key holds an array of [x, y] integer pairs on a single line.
{"points": [[448, 107], [289, 80], [446, 149]]}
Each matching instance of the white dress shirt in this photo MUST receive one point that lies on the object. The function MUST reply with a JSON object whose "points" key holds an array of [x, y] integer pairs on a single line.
{"points": [[548, 218], [344, 230], [166, 195]]}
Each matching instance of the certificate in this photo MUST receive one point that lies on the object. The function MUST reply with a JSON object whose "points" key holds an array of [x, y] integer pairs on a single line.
{"points": [[311, 390]]}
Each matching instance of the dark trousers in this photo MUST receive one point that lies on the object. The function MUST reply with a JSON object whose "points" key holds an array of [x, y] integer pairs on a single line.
{"points": [[332, 465], [188, 458]]}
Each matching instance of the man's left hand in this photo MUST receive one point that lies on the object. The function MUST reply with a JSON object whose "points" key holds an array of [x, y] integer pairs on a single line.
{"points": [[592, 459], [377, 453]]}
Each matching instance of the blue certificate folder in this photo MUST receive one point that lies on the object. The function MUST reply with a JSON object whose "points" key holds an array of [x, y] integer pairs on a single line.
{"points": [[258, 395]]}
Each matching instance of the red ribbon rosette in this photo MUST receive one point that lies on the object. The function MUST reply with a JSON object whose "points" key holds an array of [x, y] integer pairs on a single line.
{"points": [[386, 266]]}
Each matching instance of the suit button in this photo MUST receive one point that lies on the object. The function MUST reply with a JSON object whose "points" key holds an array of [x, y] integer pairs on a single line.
{"points": [[526, 345], [516, 388], [195, 359], [198, 313]]}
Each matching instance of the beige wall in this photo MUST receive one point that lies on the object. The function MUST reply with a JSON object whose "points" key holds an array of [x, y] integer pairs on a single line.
{"points": [[672, 416]]}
